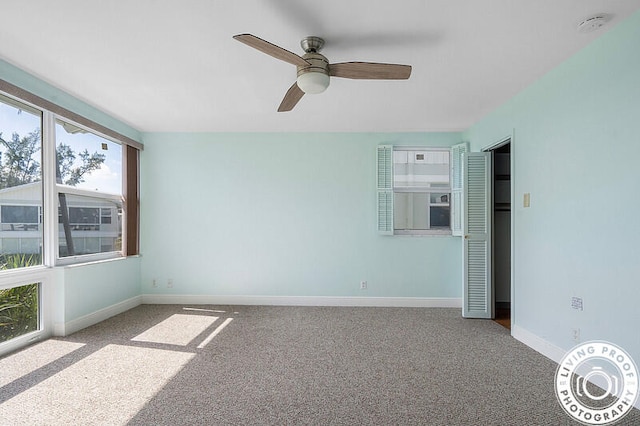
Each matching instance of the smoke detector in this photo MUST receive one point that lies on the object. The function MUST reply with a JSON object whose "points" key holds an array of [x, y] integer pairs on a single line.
{"points": [[592, 23]]}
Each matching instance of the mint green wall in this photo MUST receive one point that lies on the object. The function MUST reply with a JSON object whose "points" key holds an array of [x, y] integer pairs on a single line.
{"points": [[576, 150], [91, 287], [281, 214]]}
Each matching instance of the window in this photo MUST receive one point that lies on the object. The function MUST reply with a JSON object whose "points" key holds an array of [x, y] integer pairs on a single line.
{"points": [[19, 311], [68, 194], [19, 218], [421, 190], [89, 190], [20, 215], [20, 184], [105, 216], [415, 191], [68, 186], [85, 160], [88, 228]]}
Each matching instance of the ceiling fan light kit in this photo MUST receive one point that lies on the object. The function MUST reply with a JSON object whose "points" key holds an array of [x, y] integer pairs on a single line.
{"points": [[312, 82], [314, 70], [314, 77]]}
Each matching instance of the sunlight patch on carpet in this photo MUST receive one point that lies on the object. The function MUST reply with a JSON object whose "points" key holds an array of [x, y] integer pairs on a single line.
{"points": [[178, 329], [108, 387], [204, 310], [215, 332], [34, 357]]}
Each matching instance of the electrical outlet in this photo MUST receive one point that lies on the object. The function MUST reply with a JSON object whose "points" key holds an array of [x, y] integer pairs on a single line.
{"points": [[575, 335], [170, 283], [363, 285], [526, 202], [576, 303], [154, 283]]}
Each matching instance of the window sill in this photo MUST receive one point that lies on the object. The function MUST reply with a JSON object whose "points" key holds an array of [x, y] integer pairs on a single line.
{"points": [[89, 259], [422, 233]]}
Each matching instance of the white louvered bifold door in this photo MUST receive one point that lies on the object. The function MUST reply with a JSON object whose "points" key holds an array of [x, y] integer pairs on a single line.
{"points": [[477, 297], [456, 187], [385, 189]]}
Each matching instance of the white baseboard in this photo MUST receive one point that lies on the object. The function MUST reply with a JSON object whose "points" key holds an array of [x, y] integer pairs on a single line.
{"points": [[547, 349], [69, 327], [538, 344], [413, 302]]}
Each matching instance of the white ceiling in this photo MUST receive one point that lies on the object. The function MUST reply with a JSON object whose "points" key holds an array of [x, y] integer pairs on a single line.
{"points": [[168, 65]]}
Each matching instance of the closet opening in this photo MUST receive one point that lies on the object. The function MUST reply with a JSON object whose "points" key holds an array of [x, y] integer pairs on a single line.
{"points": [[501, 232]]}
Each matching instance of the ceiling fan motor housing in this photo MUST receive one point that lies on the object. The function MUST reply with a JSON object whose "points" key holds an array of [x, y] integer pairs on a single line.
{"points": [[314, 69], [313, 78]]}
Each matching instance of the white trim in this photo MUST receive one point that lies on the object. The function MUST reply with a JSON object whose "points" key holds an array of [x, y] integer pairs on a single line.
{"points": [[537, 343], [69, 327], [99, 261], [24, 276], [545, 348], [512, 219], [435, 148], [50, 197], [88, 259], [21, 276], [422, 232], [417, 302], [21, 341], [501, 142]]}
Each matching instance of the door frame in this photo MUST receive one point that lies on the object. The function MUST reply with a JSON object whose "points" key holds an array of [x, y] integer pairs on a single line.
{"points": [[510, 139]]}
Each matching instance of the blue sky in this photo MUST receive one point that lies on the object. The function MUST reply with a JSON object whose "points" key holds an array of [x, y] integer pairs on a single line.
{"points": [[107, 179]]}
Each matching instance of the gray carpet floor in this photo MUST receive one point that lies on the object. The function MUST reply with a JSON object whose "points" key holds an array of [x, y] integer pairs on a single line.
{"points": [[250, 365]]}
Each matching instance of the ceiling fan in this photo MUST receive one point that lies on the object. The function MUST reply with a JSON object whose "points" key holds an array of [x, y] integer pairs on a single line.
{"points": [[314, 69]]}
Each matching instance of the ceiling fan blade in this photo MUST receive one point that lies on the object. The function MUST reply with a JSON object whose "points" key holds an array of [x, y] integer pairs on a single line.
{"points": [[271, 49], [291, 98], [370, 71]]}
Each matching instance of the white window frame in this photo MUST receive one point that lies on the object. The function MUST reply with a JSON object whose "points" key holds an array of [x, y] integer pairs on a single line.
{"points": [[422, 190], [386, 190], [23, 276], [44, 274], [53, 189]]}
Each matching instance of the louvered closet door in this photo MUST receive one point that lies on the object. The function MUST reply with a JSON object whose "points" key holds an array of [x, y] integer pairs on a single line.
{"points": [[477, 293]]}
